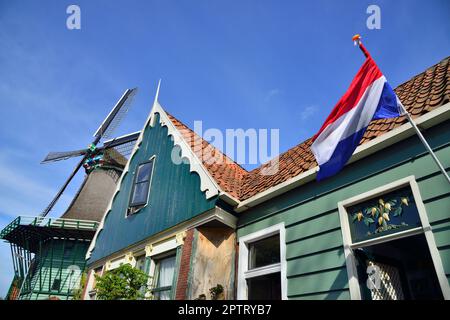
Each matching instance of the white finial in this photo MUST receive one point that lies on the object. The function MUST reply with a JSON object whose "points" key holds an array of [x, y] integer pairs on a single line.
{"points": [[155, 104]]}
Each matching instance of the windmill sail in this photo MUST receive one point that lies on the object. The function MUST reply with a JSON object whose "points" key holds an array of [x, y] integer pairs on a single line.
{"points": [[57, 156], [116, 115], [128, 138], [61, 190]]}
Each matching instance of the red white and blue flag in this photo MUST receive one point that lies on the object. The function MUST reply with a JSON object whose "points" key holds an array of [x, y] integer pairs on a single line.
{"points": [[369, 97]]}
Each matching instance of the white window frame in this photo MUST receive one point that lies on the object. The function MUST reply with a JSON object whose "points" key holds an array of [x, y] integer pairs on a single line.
{"points": [[349, 246], [244, 273], [131, 210], [90, 290]]}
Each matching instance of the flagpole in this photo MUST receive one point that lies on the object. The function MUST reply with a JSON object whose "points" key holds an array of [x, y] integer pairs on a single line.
{"points": [[357, 41]]}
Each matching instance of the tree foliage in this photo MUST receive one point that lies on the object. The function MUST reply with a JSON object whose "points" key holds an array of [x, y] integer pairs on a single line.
{"points": [[122, 283]]}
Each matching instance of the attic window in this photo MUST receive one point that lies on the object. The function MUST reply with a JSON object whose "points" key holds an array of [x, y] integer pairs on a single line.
{"points": [[141, 185]]}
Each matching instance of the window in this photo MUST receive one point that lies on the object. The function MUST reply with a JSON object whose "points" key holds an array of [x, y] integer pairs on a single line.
{"points": [[163, 278], [262, 267], [141, 184], [141, 265], [265, 287], [91, 292], [140, 262], [264, 252], [389, 248]]}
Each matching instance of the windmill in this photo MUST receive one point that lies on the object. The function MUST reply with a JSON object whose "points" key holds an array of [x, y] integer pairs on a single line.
{"points": [[49, 253], [94, 155]]}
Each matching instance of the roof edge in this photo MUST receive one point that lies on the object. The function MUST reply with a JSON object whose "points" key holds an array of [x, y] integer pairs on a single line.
{"points": [[119, 184], [207, 182]]}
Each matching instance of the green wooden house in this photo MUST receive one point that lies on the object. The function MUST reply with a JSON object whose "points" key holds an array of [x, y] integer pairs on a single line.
{"points": [[380, 229]]}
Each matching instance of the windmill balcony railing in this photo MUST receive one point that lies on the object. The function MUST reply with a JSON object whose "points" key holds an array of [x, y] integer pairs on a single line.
{"points": [[62, 223]]}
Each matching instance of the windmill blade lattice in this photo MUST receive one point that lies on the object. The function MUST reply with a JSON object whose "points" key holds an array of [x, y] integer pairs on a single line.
{"points": [[93, 153], [112, 121], [57, 156]]}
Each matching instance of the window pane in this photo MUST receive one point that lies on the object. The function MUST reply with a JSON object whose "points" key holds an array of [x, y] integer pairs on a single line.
{"points": [[266, 287], [140, 193], [389, 213], [264, 252], [144, 172], [162, 295], [166, 272]]}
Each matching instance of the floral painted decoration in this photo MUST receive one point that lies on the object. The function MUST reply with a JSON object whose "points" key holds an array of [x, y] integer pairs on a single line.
{"points": [[380, 213]]}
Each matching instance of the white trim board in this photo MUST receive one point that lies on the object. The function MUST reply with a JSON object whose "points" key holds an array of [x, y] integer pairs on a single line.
{"points": [[354, 287], [163, 246], [403, 132], [244, 273], [207, 182]]}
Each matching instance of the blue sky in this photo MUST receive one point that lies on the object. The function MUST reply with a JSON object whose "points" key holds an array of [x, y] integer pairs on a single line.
{"points": [[232, 64]]}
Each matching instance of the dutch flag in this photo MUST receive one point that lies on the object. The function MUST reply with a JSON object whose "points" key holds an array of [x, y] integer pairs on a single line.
{"points": [[368, 98]]}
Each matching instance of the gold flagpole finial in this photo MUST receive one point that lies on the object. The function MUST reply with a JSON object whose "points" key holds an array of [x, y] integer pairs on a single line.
{"points": [[356, 39]]}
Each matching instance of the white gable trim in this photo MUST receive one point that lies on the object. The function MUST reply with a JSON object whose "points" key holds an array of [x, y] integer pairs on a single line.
{"points": [[207, 183]]}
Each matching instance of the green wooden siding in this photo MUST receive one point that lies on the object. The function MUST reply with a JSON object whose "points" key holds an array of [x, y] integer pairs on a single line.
{"points": [[315, 257], [175, 197], [53, 264]]}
